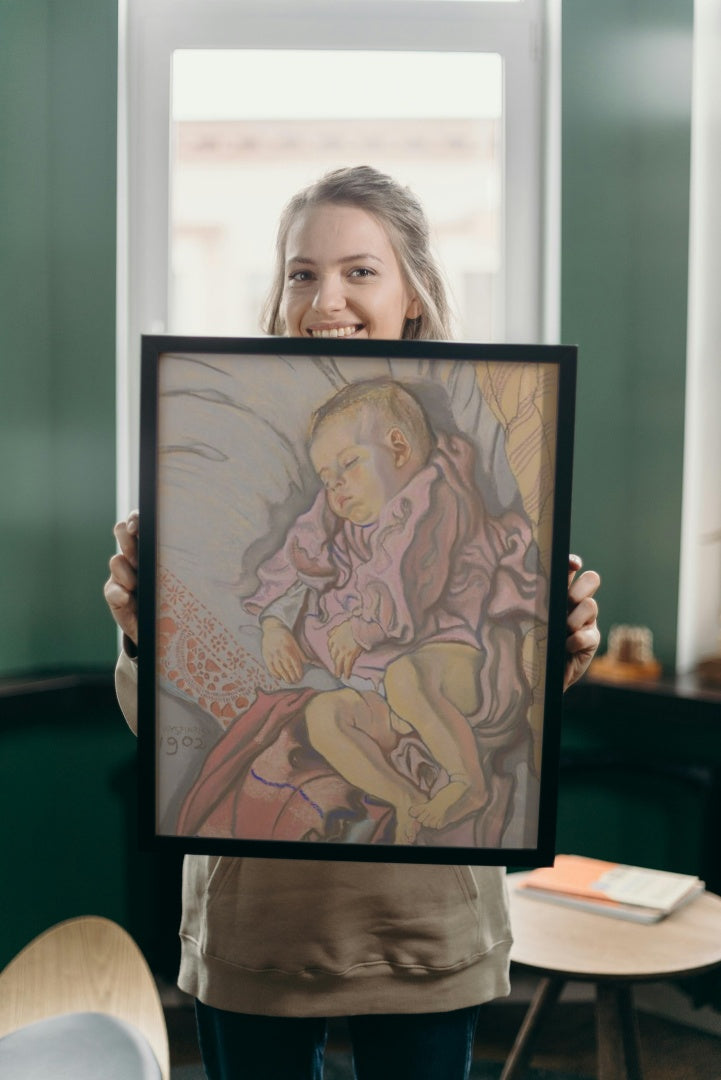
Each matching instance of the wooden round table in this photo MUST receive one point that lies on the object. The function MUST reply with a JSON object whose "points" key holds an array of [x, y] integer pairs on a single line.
{"points": [[563, 944]]}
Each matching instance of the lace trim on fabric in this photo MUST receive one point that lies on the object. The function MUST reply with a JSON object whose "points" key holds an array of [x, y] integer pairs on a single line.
{"points": [[198, 657]]}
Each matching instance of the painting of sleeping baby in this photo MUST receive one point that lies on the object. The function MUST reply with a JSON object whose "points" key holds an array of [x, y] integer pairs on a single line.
{"points": [[399, 583]]}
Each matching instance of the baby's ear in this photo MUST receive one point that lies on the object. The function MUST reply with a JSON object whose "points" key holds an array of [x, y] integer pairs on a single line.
{"points": [[399, 445]]}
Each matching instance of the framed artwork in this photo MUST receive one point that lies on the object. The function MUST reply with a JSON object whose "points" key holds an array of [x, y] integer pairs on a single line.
{"points": [[352, 597]]}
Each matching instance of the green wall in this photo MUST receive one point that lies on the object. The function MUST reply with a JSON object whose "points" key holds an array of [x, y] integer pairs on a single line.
{"points": [[66, 759], [625, 199], [58, 73]]}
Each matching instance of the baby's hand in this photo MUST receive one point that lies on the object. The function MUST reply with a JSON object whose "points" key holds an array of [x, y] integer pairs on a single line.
{"points": [[344, 649], [281, 652]]}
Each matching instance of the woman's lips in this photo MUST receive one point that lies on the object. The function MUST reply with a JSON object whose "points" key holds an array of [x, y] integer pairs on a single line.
{"points": [[335, 331]]}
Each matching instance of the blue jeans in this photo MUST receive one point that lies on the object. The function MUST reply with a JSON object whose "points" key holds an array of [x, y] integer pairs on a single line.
{"points": [[405, 1046]]}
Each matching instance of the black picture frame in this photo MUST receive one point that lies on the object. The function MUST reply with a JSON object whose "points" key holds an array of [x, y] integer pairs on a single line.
{"points": [[475, 543]]}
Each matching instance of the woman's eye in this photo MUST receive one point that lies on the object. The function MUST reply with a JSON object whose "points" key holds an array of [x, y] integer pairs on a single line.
{"points": [[362, 272], [300, 276]]}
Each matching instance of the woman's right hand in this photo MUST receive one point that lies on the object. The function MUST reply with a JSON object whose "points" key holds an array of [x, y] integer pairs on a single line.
{"points": [[121, 587]]}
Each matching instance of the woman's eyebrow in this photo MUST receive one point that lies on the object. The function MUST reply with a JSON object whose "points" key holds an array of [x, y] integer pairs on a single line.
{"points": [[361, 257]]}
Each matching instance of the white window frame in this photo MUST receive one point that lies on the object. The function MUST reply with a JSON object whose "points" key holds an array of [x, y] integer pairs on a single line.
{"points": [[526, 34], [699, 597]]}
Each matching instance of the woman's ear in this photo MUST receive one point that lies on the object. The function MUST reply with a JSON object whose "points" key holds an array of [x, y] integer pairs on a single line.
{"points": [[415, 309], [400, 446]]}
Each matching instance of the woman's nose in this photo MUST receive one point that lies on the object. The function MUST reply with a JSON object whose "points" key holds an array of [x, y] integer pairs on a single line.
{"points": [[329, 295]]}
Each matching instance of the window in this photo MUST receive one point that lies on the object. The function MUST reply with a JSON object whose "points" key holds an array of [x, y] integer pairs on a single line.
{"points": [[227, 107], [235, 161]]}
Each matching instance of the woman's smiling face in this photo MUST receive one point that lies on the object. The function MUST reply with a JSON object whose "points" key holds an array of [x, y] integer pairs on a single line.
{"points": [[342, 277]]}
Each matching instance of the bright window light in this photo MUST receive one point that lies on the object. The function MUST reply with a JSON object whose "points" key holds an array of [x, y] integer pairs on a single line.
{"points": [[239, 154], [222, 84]]}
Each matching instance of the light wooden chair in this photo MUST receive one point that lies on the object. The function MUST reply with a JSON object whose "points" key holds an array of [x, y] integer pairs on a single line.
{"points": [[87, 967]]}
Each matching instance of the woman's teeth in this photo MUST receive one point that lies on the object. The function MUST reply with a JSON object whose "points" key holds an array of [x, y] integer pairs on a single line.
{"points": [[336, 332]]}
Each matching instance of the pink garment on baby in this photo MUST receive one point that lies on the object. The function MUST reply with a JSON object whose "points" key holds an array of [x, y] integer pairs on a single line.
{"points": [[434, 567]]}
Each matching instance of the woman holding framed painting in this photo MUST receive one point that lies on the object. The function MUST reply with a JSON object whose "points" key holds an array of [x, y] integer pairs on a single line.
{"points": [[272, 947]]}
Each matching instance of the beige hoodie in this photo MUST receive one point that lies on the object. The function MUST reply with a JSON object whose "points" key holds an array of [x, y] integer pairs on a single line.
{"points": [[316, 938]]}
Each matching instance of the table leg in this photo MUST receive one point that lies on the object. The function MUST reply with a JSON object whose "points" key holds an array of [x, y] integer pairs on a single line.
{"points": [[617, 1033], [545, 997]]}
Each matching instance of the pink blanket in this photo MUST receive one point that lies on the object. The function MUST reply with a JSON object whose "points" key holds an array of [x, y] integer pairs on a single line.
{"points": [[263, 781]]}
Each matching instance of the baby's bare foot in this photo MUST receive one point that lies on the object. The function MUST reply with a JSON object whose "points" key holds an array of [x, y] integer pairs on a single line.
{"points": [[407, 825], [453, 802]]}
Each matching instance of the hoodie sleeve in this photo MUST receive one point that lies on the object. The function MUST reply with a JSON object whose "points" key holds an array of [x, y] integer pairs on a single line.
{"points": [[126, 688]]}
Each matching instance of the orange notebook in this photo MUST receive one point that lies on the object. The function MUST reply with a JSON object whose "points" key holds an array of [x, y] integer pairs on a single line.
{"points": [[630, 892]]}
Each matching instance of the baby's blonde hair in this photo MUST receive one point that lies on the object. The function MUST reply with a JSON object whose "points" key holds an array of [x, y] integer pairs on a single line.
{"points": [[393, 402]]}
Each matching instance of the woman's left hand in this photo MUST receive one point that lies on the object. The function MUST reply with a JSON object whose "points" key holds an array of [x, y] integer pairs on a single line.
{"points": [[583, 635]]}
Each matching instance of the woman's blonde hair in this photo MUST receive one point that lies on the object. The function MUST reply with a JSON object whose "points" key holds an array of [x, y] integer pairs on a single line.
{"points": [[402, 216]]}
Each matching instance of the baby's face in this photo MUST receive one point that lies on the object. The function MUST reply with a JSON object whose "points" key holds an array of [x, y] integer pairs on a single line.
{"points": [[356, 465]]}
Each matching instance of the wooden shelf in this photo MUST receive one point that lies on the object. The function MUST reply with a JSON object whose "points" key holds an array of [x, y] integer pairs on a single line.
{"points": [[683, 696]]}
